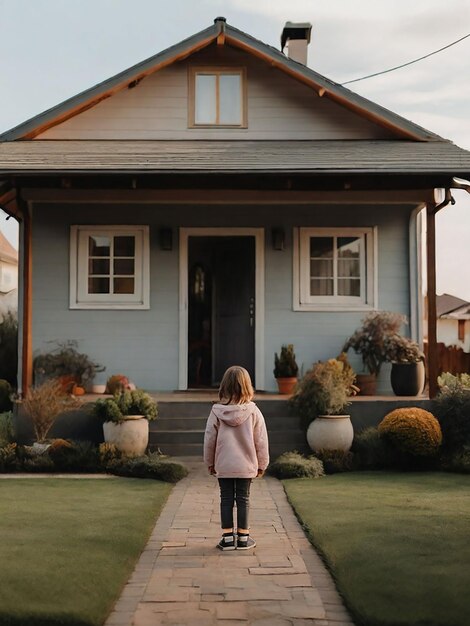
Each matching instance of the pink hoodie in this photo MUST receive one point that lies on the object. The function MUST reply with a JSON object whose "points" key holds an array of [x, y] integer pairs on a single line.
{"points": [[236, 441]]}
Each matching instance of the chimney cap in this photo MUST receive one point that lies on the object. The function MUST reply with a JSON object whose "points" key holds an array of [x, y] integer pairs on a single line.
{"points": [[220, 19], [295, 30]]}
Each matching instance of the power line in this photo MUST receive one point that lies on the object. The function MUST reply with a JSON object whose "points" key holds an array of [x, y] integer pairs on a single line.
{"points": [[392, 69]]}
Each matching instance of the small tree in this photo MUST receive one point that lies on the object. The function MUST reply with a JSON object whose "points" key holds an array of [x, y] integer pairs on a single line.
{"points": [[44, 404]]}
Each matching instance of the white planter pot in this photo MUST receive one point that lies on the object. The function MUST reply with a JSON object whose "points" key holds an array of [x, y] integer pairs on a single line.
{"points": [[330, 432], [40, 448], [131, 436]]}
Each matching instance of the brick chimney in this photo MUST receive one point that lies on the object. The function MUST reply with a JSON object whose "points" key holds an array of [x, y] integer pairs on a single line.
{"points": [[296, 35]]}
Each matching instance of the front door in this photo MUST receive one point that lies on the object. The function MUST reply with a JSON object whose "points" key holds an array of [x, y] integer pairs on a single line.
{"points": [[221, 307]]}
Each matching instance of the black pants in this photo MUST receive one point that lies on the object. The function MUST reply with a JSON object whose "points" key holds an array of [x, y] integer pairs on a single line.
{"points": [[234, 490]]}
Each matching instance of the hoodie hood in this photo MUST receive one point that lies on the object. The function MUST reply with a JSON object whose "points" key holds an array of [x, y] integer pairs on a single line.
{"points": [[233, 414]]}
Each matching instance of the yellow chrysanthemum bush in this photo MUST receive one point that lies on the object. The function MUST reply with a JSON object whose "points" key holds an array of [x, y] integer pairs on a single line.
{"points": [[412, 431]]}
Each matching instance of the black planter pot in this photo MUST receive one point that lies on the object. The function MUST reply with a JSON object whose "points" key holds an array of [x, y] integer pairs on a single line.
{"points": [[408, 379]]}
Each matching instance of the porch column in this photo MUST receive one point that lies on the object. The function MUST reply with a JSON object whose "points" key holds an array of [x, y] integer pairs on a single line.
{"points": [[433, 365], [27, 334]]}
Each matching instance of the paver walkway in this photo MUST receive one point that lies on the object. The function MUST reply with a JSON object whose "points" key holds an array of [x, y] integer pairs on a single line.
{"points": [[182, 579]]}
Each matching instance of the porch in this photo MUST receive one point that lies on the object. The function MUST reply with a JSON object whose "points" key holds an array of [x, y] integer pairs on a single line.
{"points": [[179, 429]]}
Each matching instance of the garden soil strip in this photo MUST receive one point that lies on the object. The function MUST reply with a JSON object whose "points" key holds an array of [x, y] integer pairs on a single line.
{"points": [[181, 578]]}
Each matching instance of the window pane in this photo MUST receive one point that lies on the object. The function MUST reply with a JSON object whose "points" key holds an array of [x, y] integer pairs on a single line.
{"points": [[321, 268], [348, 268], [321, 247], [349, 287], [98, 285], [124, 266], [98, 266], [230, 105], [124, 246], [321, 287], [99, 246], [205, 99], [349, 247], [123, 285]]}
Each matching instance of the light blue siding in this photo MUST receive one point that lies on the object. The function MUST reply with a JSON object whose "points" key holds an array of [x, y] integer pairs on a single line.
{"points": [[144, 344]]}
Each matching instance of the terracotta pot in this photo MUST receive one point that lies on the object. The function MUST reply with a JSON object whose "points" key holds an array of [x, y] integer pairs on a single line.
{"points": [[367, 384], [408, 379], [286, 385], [330, 432], [131, 436], [78, 391]]}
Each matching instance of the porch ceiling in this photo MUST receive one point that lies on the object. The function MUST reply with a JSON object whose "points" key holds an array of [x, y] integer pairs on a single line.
{"points": [[289, 157]]}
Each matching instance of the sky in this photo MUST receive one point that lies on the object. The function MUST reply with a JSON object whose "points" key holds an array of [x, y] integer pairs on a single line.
{"points": [[52, 49]]}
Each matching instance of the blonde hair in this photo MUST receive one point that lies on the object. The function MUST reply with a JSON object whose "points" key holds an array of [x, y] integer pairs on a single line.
{"points": [[236, 387]]}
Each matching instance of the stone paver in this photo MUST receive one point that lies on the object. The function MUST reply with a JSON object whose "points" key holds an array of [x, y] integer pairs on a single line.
{"points": [[182, 579]]}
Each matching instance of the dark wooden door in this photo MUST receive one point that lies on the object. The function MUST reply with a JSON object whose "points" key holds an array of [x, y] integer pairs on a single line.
{"points": [[234, 305], [222, 315]]}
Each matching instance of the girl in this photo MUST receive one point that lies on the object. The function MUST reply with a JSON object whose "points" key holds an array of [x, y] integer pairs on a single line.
{"points": [[236, 451]]}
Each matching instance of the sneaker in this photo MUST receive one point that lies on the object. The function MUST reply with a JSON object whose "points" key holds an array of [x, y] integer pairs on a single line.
{"points": [[227, 542], [245, 542]]}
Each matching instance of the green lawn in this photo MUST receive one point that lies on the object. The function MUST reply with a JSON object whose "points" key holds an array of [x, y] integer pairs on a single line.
{"points": [[397, 544], [67, 546]]}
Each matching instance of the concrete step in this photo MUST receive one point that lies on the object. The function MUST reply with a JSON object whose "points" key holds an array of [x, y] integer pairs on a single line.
{"points": [[196, 449], [199, 423], [183, 408], [291, 440]]}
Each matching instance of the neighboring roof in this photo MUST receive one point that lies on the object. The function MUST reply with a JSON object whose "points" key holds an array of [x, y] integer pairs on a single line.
{"points": [[222, 33], [7, 251], [446, 303], [462, 313], [314, 157]]}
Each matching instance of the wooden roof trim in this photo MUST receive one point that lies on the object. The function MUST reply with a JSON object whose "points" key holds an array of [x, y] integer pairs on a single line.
{"points": [[94, 100], [9, 204], [322, 91]]}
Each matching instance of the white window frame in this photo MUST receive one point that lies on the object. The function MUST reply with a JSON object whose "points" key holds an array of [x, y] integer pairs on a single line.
{"points": [[303, 301], [217, 71], [79, 296]]}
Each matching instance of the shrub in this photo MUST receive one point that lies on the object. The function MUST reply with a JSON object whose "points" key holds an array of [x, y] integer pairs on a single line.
{"points": [[44, 404], [294, 465], [75, 456], [6, 428], [5, 396], [412, 431], [151, 466], [371, 451], [450, 382], [458, 461], [336, 461], [109, 452], [370, 340], [40, 463], [285, 365], [65, 360], [9, 457], [9, 348], [125, 403], [117, 383], [453, 412], [324, 390]]}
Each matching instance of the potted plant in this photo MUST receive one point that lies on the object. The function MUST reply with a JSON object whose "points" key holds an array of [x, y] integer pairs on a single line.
{"points": [[43, 404], [74, 369], [408, 374], [126, 419], [286, 369], [321, 399], [370, 341]]}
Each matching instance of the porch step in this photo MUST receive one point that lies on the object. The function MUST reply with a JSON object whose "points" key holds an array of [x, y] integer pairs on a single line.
{"points": [[179, 429]]}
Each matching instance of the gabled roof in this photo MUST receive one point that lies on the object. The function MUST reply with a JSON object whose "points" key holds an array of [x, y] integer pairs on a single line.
{"points": [[222, 33], [446, 303]]}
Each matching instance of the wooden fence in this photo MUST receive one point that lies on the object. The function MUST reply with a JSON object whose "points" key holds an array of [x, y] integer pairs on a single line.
{"points": [[451, 359]]}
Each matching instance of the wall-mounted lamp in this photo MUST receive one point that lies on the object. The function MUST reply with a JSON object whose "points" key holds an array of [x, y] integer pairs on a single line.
{"points": [[166, 238], [278, 238]]}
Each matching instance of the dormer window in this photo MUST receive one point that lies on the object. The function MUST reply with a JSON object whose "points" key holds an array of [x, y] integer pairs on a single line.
{"points": [[217, 97]]}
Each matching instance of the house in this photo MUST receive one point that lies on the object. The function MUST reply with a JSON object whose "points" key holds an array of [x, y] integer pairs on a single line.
{"points": [[453, 321], [8, 276], [215, 201]]}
